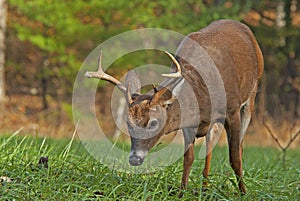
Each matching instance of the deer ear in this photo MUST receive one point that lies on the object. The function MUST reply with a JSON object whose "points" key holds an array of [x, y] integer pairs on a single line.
{"points": [[132, 83], [166, 96], [162, 95]]}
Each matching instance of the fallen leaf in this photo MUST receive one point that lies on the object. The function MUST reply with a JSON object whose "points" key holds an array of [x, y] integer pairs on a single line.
{"points": [[5, 179]]}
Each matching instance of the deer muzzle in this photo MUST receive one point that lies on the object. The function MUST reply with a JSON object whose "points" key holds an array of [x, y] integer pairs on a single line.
{"points": [[136, 158]]}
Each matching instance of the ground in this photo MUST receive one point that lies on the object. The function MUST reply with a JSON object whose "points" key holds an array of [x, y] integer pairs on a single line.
{"points": [[72, 174]]}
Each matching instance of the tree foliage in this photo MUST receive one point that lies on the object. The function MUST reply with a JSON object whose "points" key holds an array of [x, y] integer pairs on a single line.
{"points": [[3, 14], [64, 32], [278, 34]]}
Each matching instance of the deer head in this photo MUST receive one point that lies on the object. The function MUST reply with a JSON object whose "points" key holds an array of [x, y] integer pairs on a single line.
{"points": [[147, 114]]}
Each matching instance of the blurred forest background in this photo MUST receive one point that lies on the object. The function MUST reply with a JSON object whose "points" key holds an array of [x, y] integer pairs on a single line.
{"points": [[44, 42]]}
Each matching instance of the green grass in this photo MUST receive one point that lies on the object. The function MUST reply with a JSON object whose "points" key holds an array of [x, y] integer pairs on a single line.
{"points": [[75, 175]]}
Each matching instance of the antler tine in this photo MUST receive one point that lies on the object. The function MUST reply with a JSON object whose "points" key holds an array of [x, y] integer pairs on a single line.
{"points": [[128, 94], [100, 62], [154, 88], [100, 74], [178, 73]]}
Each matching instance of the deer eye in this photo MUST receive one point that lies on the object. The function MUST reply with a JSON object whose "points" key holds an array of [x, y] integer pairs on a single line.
{"points": [[153, 123]]}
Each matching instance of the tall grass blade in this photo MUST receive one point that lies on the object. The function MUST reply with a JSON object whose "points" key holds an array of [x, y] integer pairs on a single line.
{"points": [[69, 145]]}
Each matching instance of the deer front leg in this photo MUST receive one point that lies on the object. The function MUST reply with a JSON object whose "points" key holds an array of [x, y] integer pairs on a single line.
{"points": [[187, 164], [189, 139], [211, 138], [207, 161]]}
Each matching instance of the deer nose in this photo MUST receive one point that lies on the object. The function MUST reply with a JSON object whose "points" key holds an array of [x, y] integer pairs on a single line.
{"points": [[136, 160]]}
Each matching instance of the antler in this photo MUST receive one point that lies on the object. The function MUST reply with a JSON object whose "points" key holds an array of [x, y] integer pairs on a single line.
{"points": [[178, 73], [100, 74]]}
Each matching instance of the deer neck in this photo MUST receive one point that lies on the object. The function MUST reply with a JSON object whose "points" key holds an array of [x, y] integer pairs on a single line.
{"points": [[182, 114]]}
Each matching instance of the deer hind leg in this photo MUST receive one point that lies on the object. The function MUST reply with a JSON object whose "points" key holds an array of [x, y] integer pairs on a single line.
{"points": [[234, 135], [211, 138]]}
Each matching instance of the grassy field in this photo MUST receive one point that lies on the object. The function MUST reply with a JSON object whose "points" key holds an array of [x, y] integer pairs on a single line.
{"points": [[72, 174]]}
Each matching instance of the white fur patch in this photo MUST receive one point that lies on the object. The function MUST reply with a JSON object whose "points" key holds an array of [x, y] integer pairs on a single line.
{"points": [[139, 153], [215, 131], [245, 118]]}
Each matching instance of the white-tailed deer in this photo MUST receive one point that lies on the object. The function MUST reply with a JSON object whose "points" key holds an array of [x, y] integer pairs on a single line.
{"points": [[239, 62]]}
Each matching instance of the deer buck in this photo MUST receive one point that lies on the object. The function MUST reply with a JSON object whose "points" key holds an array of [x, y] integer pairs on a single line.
{"points": [[236, 54]]}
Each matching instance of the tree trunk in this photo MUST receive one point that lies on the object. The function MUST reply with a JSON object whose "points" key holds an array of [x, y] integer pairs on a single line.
{"points": [[280, 20], [3, 14]]}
